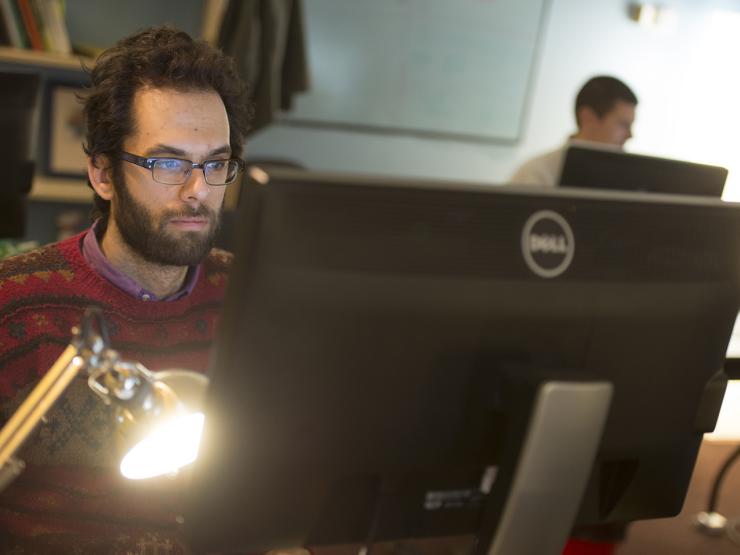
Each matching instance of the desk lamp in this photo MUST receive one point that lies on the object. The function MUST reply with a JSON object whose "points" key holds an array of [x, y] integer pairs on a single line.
{"points": [[711, 521], [163, 427]]}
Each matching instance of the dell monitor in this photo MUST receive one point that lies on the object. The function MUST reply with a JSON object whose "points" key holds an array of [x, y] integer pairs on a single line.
{"points": [[390, 349], [609, 168]]}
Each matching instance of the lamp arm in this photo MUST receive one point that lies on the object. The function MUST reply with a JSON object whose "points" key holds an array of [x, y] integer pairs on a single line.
{"points": [[714, 495], [39, 401], [88, 349], [135, 391]]}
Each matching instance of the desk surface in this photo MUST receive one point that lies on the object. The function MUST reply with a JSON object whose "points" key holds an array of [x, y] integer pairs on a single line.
{"points": [[678, 536]]}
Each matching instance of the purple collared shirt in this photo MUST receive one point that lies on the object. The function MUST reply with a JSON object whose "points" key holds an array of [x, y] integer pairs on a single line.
{"points": [[95, 257]]}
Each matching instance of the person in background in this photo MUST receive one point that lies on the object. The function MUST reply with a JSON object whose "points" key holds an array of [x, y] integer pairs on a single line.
{"points": [[166, 121], [604, 111]]}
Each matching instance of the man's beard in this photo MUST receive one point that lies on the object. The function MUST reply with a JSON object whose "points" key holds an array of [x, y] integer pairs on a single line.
{"points": [[150, 239]]}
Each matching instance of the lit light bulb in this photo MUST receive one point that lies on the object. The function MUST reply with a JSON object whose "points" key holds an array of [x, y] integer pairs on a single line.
{"points": [[167, 449]]}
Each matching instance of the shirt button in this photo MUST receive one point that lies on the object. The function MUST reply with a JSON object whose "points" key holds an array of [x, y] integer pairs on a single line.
{"points": [[146, 297]]}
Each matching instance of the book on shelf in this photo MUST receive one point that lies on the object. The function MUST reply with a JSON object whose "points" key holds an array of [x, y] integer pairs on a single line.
{"points": [[4, 30], [41, 25], [34, 24], [58, 24], [53, 27], [30, 24], [13, 24]]}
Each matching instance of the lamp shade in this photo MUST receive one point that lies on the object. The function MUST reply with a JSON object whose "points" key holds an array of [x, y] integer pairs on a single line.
{"points": [[159, 430]]}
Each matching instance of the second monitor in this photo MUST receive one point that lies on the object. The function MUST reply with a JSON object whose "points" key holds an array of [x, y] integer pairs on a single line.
{"points": [[600, 168]]}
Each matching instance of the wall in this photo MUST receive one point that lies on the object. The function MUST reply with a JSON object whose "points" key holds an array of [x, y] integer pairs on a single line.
{"points": [[100, 24], [687, 107], [582, 38]]}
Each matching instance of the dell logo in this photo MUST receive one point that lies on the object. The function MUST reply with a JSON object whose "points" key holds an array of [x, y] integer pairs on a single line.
{"points": [[547, 244]]}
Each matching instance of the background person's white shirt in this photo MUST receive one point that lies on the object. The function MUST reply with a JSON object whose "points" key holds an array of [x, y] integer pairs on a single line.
{"points": [[544, 170]]}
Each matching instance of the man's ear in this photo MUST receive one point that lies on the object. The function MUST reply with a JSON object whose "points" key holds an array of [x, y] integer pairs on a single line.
{"points": [[99, 173], [587, 117]]}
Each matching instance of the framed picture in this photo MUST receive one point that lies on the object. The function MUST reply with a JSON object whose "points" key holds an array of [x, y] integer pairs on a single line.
{"points": [[64, 130]]}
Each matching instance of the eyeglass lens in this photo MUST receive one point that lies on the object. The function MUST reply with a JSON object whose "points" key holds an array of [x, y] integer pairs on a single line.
{"points": [[174, 172]]}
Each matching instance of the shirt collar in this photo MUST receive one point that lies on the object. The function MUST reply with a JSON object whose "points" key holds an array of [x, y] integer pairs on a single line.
{"points": [[94, 256]]}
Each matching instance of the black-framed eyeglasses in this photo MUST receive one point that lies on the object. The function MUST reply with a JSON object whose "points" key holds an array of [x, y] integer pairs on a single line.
{"points": [[176, 171]]}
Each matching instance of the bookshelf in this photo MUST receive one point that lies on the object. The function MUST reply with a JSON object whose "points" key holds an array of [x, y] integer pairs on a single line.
{"points": [[59, 189], [41, 59], [52, 67], [75, 190]]}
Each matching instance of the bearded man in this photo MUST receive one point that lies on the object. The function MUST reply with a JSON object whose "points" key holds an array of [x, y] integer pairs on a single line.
{"points": [[166, 119]]}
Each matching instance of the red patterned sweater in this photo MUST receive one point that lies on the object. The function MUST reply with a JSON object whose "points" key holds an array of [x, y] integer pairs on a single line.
{"points": [[71, 499]]}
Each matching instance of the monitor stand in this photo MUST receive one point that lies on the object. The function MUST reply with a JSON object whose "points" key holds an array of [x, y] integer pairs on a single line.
{"points": [[553, 469]]}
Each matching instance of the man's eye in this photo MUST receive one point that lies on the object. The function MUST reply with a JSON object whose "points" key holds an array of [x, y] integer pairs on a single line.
{"points": [[169, 164], [218, 164]]}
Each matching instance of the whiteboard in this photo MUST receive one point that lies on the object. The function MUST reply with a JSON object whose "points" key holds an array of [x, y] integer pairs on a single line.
{"points": [[432, 67]]}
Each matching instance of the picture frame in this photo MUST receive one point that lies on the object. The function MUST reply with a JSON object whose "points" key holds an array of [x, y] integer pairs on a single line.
{"points": [[64, 131]]}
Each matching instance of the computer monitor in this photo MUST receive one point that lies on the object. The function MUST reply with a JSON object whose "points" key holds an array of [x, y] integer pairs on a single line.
{"points": [[386, 344], [607, 168]]}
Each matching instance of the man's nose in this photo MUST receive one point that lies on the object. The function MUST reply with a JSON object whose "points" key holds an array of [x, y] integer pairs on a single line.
{"points": [[195, 188]]}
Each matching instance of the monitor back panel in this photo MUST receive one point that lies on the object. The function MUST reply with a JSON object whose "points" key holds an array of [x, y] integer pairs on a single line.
{"points": [[610, 169], [370, 335]]}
